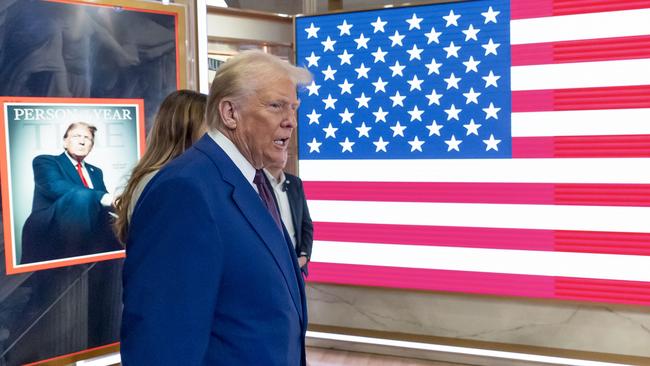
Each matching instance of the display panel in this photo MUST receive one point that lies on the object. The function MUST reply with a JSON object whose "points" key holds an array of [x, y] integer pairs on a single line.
{"points": [[486, 147]]}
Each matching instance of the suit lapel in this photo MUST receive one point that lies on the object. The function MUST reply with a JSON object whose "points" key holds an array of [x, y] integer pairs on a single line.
{"points": [[69, 169], [251, 206], [92, 172], [98, 181], [295, 193]]}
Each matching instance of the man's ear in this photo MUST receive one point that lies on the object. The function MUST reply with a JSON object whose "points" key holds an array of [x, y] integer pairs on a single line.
{"points": [[228, 112]]}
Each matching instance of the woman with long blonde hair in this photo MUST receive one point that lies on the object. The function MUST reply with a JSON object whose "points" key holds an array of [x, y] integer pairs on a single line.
{"points": [[179, 123]]}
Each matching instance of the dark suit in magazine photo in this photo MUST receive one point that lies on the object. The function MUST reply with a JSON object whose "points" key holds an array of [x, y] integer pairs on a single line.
{"points": [[68, 218]]}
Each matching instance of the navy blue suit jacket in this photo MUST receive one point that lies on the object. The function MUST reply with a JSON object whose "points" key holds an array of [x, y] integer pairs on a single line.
{"points": [[67, 219], [209, 279]]}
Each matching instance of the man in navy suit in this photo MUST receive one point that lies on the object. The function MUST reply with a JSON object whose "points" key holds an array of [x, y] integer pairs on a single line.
{"points": [[290, 198], [70, 211], [210, 277]]}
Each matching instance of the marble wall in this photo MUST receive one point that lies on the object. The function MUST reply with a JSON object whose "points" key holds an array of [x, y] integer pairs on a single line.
{"points": [[614, 329]]}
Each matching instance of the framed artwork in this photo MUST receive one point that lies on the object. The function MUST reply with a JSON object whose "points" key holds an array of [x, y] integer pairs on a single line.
{"points": [[96, 49], [53, 215]]}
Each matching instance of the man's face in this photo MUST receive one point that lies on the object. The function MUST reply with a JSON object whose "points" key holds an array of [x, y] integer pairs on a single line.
{"points": [[79, 142], [265, 123]]}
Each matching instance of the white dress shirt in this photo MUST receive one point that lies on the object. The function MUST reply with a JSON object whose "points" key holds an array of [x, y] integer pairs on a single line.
{"points": [[283, 204], [233, 153], [83, 169], [248, 171]]}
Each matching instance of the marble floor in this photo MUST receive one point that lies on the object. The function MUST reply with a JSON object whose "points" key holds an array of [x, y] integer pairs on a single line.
{"points": [[329, 357]]}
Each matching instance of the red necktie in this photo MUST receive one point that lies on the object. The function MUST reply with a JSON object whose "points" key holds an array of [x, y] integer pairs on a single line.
{"points": [[81, 175]]}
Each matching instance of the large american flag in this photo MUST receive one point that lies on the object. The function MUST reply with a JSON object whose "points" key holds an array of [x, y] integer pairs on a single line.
{"points": [[486, 147]]}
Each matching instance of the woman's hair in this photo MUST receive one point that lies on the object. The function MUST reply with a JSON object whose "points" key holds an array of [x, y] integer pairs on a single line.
{"points": [[179, 123]]}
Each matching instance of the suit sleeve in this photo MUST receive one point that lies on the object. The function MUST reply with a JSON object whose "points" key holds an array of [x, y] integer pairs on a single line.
{"points": [[50, 180], [307, 233], [171, 277]]}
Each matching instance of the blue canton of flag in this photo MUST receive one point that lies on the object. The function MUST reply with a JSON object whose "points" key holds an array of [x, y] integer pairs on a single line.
{"points": [[420, 82]]}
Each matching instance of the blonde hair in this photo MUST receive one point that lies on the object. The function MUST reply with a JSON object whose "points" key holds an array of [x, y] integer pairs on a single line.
{"points": [[240, 76], [179, 123]]}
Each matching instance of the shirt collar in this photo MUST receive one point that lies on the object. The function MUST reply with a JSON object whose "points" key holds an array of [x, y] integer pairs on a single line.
{"points": [[234, 154], [275, 182], [74, 161]]}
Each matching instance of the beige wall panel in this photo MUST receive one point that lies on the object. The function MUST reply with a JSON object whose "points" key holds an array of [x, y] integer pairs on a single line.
{"points": [[247, 27], [586, 327]]}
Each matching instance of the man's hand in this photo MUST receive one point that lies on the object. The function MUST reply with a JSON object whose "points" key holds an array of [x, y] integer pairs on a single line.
{"points": [[302, 260]]}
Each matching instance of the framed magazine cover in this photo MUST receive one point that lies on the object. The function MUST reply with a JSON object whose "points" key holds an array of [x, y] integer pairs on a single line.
{"points": [[40, 186]]}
